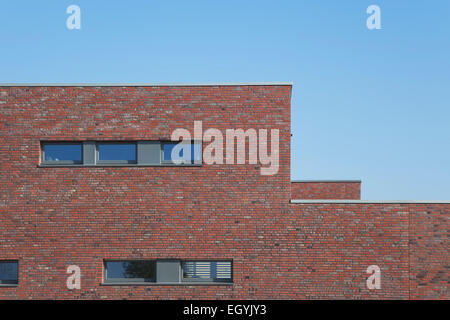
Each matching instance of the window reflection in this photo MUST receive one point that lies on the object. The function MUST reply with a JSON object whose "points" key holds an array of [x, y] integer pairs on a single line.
{"points": [[117, 151], [138, 270], [62, 152]]}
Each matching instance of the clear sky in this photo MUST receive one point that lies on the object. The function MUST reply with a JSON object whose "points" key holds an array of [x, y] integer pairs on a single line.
{"points": [[367, 104]]}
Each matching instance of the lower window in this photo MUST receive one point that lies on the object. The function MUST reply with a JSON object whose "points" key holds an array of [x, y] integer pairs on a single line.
{"points": [[9, 272], [167, 271], [207, 271]]}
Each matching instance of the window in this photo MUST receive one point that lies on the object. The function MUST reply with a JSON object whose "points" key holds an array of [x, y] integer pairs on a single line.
{"points": [[209, 271], [167, 271], [130, 271], [116, 152], [181, 151], [9, 272], [62, 153], [120, 153]]}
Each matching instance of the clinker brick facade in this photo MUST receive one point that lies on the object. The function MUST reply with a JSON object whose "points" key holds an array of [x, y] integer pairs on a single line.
{"points": [[52, 217], [350, 190]]}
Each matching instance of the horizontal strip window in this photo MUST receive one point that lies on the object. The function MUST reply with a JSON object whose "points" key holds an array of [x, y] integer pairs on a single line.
{"points": [[121, 153], [168, 271], [9, 272]]}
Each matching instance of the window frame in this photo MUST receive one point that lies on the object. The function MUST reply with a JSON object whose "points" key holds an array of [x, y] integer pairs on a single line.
{"points": [[148, 153], [101, 162], [179, 279], [11, 284], [61, 162]]}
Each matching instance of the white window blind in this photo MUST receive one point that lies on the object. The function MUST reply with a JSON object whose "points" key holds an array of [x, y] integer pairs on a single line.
{"points": [[207, 269]]}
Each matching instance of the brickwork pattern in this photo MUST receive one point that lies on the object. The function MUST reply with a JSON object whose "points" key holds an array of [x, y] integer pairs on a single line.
{"points": [[54, 217], [335, 243], [335, 190]]}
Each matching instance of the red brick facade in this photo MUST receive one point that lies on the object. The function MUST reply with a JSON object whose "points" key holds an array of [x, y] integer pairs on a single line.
{"points": [[326, 190], [51, 218], [336, 242]]}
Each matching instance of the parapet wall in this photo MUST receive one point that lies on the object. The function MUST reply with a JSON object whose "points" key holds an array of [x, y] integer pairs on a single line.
{"points": [[336, 242], [339, 189]]}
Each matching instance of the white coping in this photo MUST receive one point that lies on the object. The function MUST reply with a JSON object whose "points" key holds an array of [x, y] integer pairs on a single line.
{"points": [[213, 84], [326, 181], [368, 201]]}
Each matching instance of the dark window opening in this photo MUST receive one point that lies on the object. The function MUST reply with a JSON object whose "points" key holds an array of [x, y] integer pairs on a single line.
{"points": [[9, 272]]}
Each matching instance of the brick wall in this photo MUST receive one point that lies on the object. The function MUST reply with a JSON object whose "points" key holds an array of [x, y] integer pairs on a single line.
{"points": [[334, 243], [326, 190], [54, 217], [429, 252]]}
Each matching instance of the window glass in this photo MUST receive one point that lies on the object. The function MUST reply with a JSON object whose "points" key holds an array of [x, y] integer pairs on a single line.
{"points": [[169, 154], [117, 151], [121, 152], [9, 272], [207, 270], [62, 152], [144, 271]]}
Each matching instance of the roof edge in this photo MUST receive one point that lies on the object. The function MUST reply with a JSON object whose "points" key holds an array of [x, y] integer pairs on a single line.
{"points": [[311, 201], [325, 181], [194, 84]]}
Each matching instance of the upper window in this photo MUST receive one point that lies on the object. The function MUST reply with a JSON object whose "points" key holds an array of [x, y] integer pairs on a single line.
{"points": [[9, 272], [130, 271], [116, 152], [120, 153], [208, 271], [183, 152], [63, 153]]}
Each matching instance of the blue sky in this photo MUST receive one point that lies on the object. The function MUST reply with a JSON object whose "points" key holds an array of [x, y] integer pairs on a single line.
{"points": [[367, 104]]}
